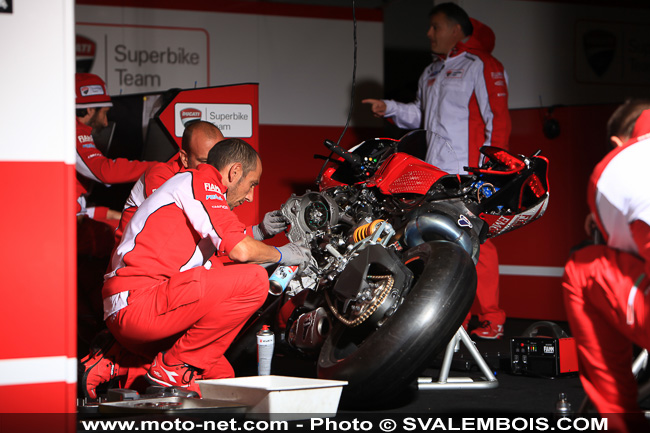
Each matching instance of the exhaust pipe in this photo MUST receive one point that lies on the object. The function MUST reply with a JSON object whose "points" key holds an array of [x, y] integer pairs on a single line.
{"points": [[435, 226], [310, 330]]}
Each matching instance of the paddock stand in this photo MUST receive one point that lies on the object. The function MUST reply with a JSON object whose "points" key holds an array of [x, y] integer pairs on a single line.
{"points": [[445, 382]]}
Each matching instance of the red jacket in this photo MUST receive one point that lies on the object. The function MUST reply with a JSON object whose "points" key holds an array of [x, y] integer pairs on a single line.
{"points": [[150, 181], [179, 227], [617, 196], [92, 166]]}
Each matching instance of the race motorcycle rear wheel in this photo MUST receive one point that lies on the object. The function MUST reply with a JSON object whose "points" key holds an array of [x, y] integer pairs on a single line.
{"points": [[381, 362]]}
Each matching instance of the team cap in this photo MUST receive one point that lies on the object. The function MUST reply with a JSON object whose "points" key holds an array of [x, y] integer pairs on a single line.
{"points": [[91, 91]]}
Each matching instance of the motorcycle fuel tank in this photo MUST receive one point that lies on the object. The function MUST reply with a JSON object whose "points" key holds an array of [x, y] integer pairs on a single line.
{"points": [[405, 174]]}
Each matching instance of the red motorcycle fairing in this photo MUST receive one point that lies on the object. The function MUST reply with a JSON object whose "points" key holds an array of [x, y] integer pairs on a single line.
{"points": [[401, 174], [500, 224], [326, 181], [531, 203], [405, 174]]}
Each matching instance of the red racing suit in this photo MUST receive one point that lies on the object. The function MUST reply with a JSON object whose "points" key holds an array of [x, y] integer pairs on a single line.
{"points": [[151, 180], [462, 103], [163, 292], [607, 296], [92, 166]]}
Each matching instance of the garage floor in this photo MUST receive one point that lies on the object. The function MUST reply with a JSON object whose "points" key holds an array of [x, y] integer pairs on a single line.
{"points": [[514, 393]]}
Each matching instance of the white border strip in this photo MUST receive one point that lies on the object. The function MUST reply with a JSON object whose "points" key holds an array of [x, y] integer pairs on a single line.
{"points": [[531, 271], [27, 371]]}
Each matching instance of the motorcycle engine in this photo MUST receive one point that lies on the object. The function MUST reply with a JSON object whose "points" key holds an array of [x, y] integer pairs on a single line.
{"points": [[308, 215], [350, 256]]}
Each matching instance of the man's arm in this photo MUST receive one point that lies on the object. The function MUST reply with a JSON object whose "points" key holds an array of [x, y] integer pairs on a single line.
{"points": [[92, 164], [492, 97], [249, 250], [404, 115]]}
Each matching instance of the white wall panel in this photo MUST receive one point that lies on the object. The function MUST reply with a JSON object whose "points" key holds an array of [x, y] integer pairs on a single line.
{"points": [[37, 82], [303, 65]]}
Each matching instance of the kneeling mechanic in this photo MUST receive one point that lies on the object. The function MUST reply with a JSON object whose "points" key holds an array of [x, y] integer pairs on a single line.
{"points": [[167, 297]]}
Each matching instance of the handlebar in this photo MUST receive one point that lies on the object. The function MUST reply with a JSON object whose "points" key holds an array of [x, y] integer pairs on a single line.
{"points": [[352, 159]]}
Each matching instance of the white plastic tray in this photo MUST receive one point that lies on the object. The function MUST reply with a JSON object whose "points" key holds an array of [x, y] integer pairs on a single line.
{"points": [[277, 397]]}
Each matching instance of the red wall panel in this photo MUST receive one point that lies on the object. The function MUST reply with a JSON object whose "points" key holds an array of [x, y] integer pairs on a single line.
{"points": [[38, 235], [38, 310], [548, 241], [287, 153]]}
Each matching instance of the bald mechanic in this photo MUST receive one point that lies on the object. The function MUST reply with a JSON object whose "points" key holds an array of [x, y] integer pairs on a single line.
{"points": [[163, 298], [100, 366], [92, 106], [462, 103], [198, 138]]}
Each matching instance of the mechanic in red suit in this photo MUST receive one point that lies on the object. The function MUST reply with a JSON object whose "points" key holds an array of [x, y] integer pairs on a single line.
{"points": [[462, 103], [164, 298], [606, 287], [113, 361], [92, 106], [198, 138]]}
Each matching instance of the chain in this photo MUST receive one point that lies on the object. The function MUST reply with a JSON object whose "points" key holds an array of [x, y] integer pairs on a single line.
{"points": [[379, 298]]}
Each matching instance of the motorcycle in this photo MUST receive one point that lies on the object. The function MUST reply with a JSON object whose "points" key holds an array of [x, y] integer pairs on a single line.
{"points": [[394, 245]]}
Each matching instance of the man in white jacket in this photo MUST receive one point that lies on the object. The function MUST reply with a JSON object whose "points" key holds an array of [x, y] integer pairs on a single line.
{"points": [[462, 103]]}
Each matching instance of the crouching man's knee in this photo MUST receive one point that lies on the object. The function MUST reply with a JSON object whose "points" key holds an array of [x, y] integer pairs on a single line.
{"points": [[258, 282]]}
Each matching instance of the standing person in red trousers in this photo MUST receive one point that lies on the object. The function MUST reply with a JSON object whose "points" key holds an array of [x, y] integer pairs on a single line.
{"points": [[606, 287]]}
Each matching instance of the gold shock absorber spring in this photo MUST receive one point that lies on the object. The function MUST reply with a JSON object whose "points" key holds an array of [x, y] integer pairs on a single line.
{"points": [[366, 230]]}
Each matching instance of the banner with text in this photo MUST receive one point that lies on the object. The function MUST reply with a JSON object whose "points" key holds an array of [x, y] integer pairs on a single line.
{"points": [[138, 59], [234, 120]]}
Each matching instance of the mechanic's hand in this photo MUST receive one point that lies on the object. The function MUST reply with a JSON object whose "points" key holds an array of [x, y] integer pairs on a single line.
{"points": [[272, 224], [294, 254], [377, 106]]}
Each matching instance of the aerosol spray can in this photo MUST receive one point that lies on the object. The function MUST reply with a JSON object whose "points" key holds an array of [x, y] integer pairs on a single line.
{"points": [[280, 278], [563, 407], [265, 343]]}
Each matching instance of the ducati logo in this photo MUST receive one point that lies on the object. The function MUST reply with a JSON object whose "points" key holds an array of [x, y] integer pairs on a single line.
{"points": [[85, 50], [455, 73], [93, 89], [600, 47], [190, 114]]}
